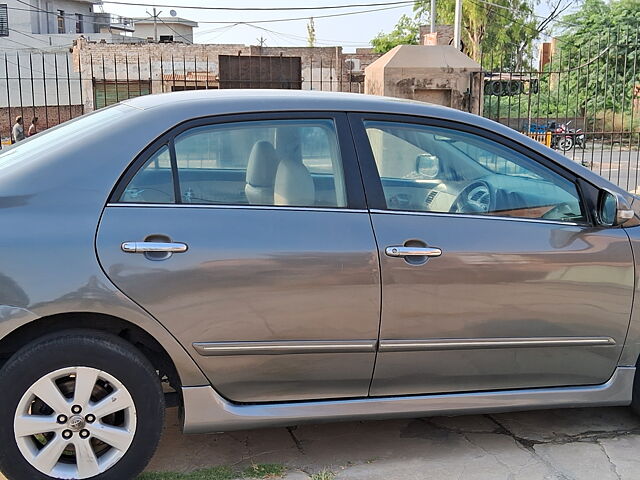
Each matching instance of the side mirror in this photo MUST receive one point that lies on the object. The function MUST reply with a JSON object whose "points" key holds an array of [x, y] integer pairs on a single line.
{"points": [[427, 165], [613, 209]]}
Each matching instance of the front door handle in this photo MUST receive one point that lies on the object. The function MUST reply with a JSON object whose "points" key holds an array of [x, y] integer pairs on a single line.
{"points": [[158, 247], [399, 251]]}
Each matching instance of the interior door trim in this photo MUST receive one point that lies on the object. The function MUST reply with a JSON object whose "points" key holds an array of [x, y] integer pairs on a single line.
{"points": [[480, 343], [287, 347]]}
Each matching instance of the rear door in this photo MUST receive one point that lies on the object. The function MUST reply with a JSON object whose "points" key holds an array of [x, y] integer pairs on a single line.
{"points": [[271, 276], [493, 274]]}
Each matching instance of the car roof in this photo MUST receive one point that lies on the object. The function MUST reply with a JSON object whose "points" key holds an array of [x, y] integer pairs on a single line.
{"points": [[263, 100]]}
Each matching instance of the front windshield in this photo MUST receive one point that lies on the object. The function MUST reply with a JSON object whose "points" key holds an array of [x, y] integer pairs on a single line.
{"points": [[61, 134]]}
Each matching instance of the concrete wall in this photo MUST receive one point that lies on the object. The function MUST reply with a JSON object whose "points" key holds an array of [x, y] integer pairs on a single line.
{"points": [[451, 89], [445, 84]]}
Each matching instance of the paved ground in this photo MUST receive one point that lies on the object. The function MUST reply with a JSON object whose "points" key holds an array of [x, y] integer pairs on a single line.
{"points": [[598, 443], [620, 165]]}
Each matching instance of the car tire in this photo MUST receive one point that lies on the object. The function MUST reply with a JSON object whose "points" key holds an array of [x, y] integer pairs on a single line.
{"points": [[120, 386]]}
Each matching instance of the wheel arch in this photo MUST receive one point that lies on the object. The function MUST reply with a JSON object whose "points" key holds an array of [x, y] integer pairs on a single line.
{"points": [[138, 337]]}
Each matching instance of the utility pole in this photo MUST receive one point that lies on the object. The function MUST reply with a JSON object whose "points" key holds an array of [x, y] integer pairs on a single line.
{"points": [[433, 16], [457, 25], [155, 16], [155, 25]]}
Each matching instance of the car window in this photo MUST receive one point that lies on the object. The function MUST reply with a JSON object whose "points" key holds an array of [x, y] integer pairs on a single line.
{"points": [[153, 183], [283, 162], [432, 169]]}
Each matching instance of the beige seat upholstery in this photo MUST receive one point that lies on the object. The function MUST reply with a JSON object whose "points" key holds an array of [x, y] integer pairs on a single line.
{"points": [[261, 174], [294, 185]]}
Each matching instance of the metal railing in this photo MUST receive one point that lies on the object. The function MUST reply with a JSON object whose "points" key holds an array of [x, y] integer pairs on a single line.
{"points": [[585, 102]]}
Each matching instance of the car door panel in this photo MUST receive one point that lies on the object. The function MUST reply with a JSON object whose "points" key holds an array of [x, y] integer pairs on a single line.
{"points": [[510, 302], [500, 279], [258, 275]]}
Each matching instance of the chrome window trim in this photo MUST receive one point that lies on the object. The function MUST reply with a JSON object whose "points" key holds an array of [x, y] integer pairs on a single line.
{"points": [[287, 347], [236, 207], [479, 343], [485, 217]]}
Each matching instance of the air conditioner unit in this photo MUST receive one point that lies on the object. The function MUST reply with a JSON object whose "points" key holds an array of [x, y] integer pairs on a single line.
{"points": [[353, 64]]}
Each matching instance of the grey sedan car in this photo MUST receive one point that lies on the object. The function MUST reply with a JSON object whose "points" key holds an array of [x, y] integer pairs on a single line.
{"points": [[264, 258]]}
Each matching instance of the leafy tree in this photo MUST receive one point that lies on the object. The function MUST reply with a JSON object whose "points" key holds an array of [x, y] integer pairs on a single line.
{"points": [[594, 70], [598, 53], [406, 32], [498, 32]]}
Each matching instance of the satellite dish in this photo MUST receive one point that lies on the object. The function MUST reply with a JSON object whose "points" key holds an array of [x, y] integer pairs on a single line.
{"points": [[173, 13]]}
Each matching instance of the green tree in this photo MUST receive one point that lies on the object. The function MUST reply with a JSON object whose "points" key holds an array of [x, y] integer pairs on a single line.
{"points": [[406, 32], [599, 46], [500, 32]]}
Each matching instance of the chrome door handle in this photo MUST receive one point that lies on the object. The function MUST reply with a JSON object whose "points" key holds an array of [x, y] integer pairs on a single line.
{"points": [[144, 247], [413, 251]]}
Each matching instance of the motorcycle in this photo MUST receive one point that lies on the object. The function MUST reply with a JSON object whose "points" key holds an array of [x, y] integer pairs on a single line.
{"points": [[563, 138]]}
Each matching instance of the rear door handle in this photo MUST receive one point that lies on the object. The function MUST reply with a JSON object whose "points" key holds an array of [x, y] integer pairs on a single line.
{"points": [[145, 247], [399, 251]]}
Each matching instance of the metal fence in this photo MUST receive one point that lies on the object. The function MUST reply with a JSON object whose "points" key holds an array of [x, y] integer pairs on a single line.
{"points": [[55, 87], [584, 101]]}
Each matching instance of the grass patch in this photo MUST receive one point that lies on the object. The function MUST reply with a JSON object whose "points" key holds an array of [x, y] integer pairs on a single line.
{"points": [[263, 471], [323, 475]]}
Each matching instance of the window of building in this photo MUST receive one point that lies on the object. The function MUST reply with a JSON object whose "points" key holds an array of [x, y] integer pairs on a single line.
{"points": [[4, 20], [79, 23], [61, 28], [108, 93], [166, 38]]}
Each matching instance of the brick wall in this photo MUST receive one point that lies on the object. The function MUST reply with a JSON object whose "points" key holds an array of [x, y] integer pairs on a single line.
{"points": [[47, 117], [169, 66]]}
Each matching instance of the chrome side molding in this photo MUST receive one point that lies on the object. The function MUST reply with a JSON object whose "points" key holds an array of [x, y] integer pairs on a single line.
{"points": [[285, 347], [206, 411], [290, 347], [475, 343]]}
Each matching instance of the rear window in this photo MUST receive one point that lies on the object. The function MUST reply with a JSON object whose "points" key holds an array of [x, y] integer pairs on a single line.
{"points": [[61, 134]]}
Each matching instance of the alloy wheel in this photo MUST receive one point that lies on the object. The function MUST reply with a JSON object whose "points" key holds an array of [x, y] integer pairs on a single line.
{"points": [[75, 422]]}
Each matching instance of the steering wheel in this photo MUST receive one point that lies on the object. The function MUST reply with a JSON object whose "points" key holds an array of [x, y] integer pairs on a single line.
{"points": [[477, 197]]}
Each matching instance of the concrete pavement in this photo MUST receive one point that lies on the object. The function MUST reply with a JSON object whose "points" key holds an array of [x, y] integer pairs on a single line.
{"points": [[597, 443]]}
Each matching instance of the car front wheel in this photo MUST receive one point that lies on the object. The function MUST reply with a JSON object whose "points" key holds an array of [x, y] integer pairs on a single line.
{"points": [[80, 405]]}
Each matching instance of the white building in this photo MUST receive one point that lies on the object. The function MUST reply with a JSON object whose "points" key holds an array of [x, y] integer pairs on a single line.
{"points": [[168, 29], [47, 24]]}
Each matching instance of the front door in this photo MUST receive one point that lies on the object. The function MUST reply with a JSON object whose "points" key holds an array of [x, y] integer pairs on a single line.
{"points": [[494, 275], [271, 276]]}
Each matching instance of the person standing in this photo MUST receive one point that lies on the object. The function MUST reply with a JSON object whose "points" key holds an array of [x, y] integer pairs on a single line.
{"points": [[33, 128], [18, 130]]}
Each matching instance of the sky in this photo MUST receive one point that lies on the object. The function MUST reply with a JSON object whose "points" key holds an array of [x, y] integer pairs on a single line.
{"points": [[350, 31]]}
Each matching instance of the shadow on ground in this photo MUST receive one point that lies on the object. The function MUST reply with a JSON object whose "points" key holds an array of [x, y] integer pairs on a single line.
{"points": [[595, 443]]}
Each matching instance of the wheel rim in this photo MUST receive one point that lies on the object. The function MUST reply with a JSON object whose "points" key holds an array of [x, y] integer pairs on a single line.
{"points": [[76, 422]]}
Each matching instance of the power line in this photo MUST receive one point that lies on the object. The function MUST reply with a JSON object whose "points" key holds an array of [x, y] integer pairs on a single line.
{"points": [[171, 28], [344, 14], [260, 9]]}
